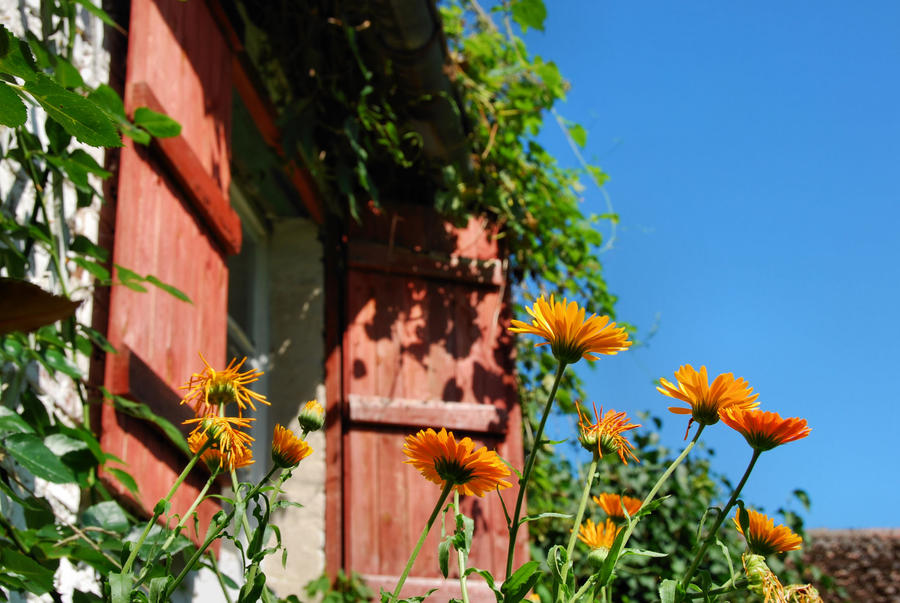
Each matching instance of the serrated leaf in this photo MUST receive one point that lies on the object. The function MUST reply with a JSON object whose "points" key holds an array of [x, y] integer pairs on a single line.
{"points": [[157, 124], [77, 115], [29, 451], [17, 60], [12, 109]]}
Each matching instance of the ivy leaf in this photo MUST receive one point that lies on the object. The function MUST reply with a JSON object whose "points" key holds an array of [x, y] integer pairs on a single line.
{"points": [[77, 115], [12, 109], [29, 451], [529, 13], [157, 124]]}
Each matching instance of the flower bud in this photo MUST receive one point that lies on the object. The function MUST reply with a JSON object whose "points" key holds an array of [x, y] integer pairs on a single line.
{"points": [[312, 416], [597, 557]]}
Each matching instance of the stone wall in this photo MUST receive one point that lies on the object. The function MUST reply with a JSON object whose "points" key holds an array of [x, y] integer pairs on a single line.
{"points": [[866, 563]]}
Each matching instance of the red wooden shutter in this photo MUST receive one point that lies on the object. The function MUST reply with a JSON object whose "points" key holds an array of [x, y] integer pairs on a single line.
{"points": [[173, 221], [425, 345]]}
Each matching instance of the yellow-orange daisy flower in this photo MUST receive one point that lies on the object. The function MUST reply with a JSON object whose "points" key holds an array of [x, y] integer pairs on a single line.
{"points": [[210, 389], [605, 436], [598, 536], [215, 458], [705, 400], [224, 431], [570, 335], [441, 459], [765, 430], [764, 537], [287, 449], [612, 504]]}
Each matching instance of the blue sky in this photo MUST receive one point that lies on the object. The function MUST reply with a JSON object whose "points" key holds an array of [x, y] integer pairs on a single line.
{"points": [[754, 151]]}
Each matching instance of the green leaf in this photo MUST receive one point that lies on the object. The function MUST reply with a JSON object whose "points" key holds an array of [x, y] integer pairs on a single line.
{"points": [[83, 245], [158, 587], [124, 478], [444, 557], [462, 536], [529, 13], [11, 422], [667, 589], [79, 116], [100, 14], [107, 515], [39, 577], [120, 587], [57, 361], [157, 124], [97, 270], [173, 291], [61, 444], [142, 411], [545, 515], [578, 134], [12, 109], [29, 451], [642, 553], [130, 279], [523, 579], [107, 98], [18, 60]]}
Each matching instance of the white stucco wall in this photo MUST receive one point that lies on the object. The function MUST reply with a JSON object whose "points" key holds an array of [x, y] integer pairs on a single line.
{"points": [[296, 375]]}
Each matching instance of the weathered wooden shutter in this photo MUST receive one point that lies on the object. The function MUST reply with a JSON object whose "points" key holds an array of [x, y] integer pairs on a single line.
{"points": [[173, 221], [425, 344]]}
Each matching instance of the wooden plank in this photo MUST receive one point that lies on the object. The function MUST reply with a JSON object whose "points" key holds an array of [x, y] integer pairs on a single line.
{"points": [[334, 421], [364, 255], [462, 416], [203, 192]]}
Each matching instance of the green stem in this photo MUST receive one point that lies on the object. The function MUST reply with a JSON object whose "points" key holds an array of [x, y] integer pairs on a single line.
{"points": [[712, 533], [173, 534], [740, 586], [215, 567], [587, 584], [523, 483], [163, 505], [585, 494], [461, 557], [632, 522], [236, 487], [213, 533], [412, 558]]}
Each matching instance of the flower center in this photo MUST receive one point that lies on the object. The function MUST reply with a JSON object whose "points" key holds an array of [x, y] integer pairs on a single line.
{"points": [[452, 471]]}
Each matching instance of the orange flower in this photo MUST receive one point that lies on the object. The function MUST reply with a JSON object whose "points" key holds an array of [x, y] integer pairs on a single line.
{"points": [[764, 537], [612, 505], [765, 430], [211, 389], [287, 449], [570, 336], [598, 536], [605, 436], [225, 432], [706, 400], [441, 459], [216, 459], [312, 416]]}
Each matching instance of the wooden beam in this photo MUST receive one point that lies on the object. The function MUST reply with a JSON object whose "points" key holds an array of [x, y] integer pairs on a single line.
{"points": [[203, 192], [399, 260], [462, 416]]}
